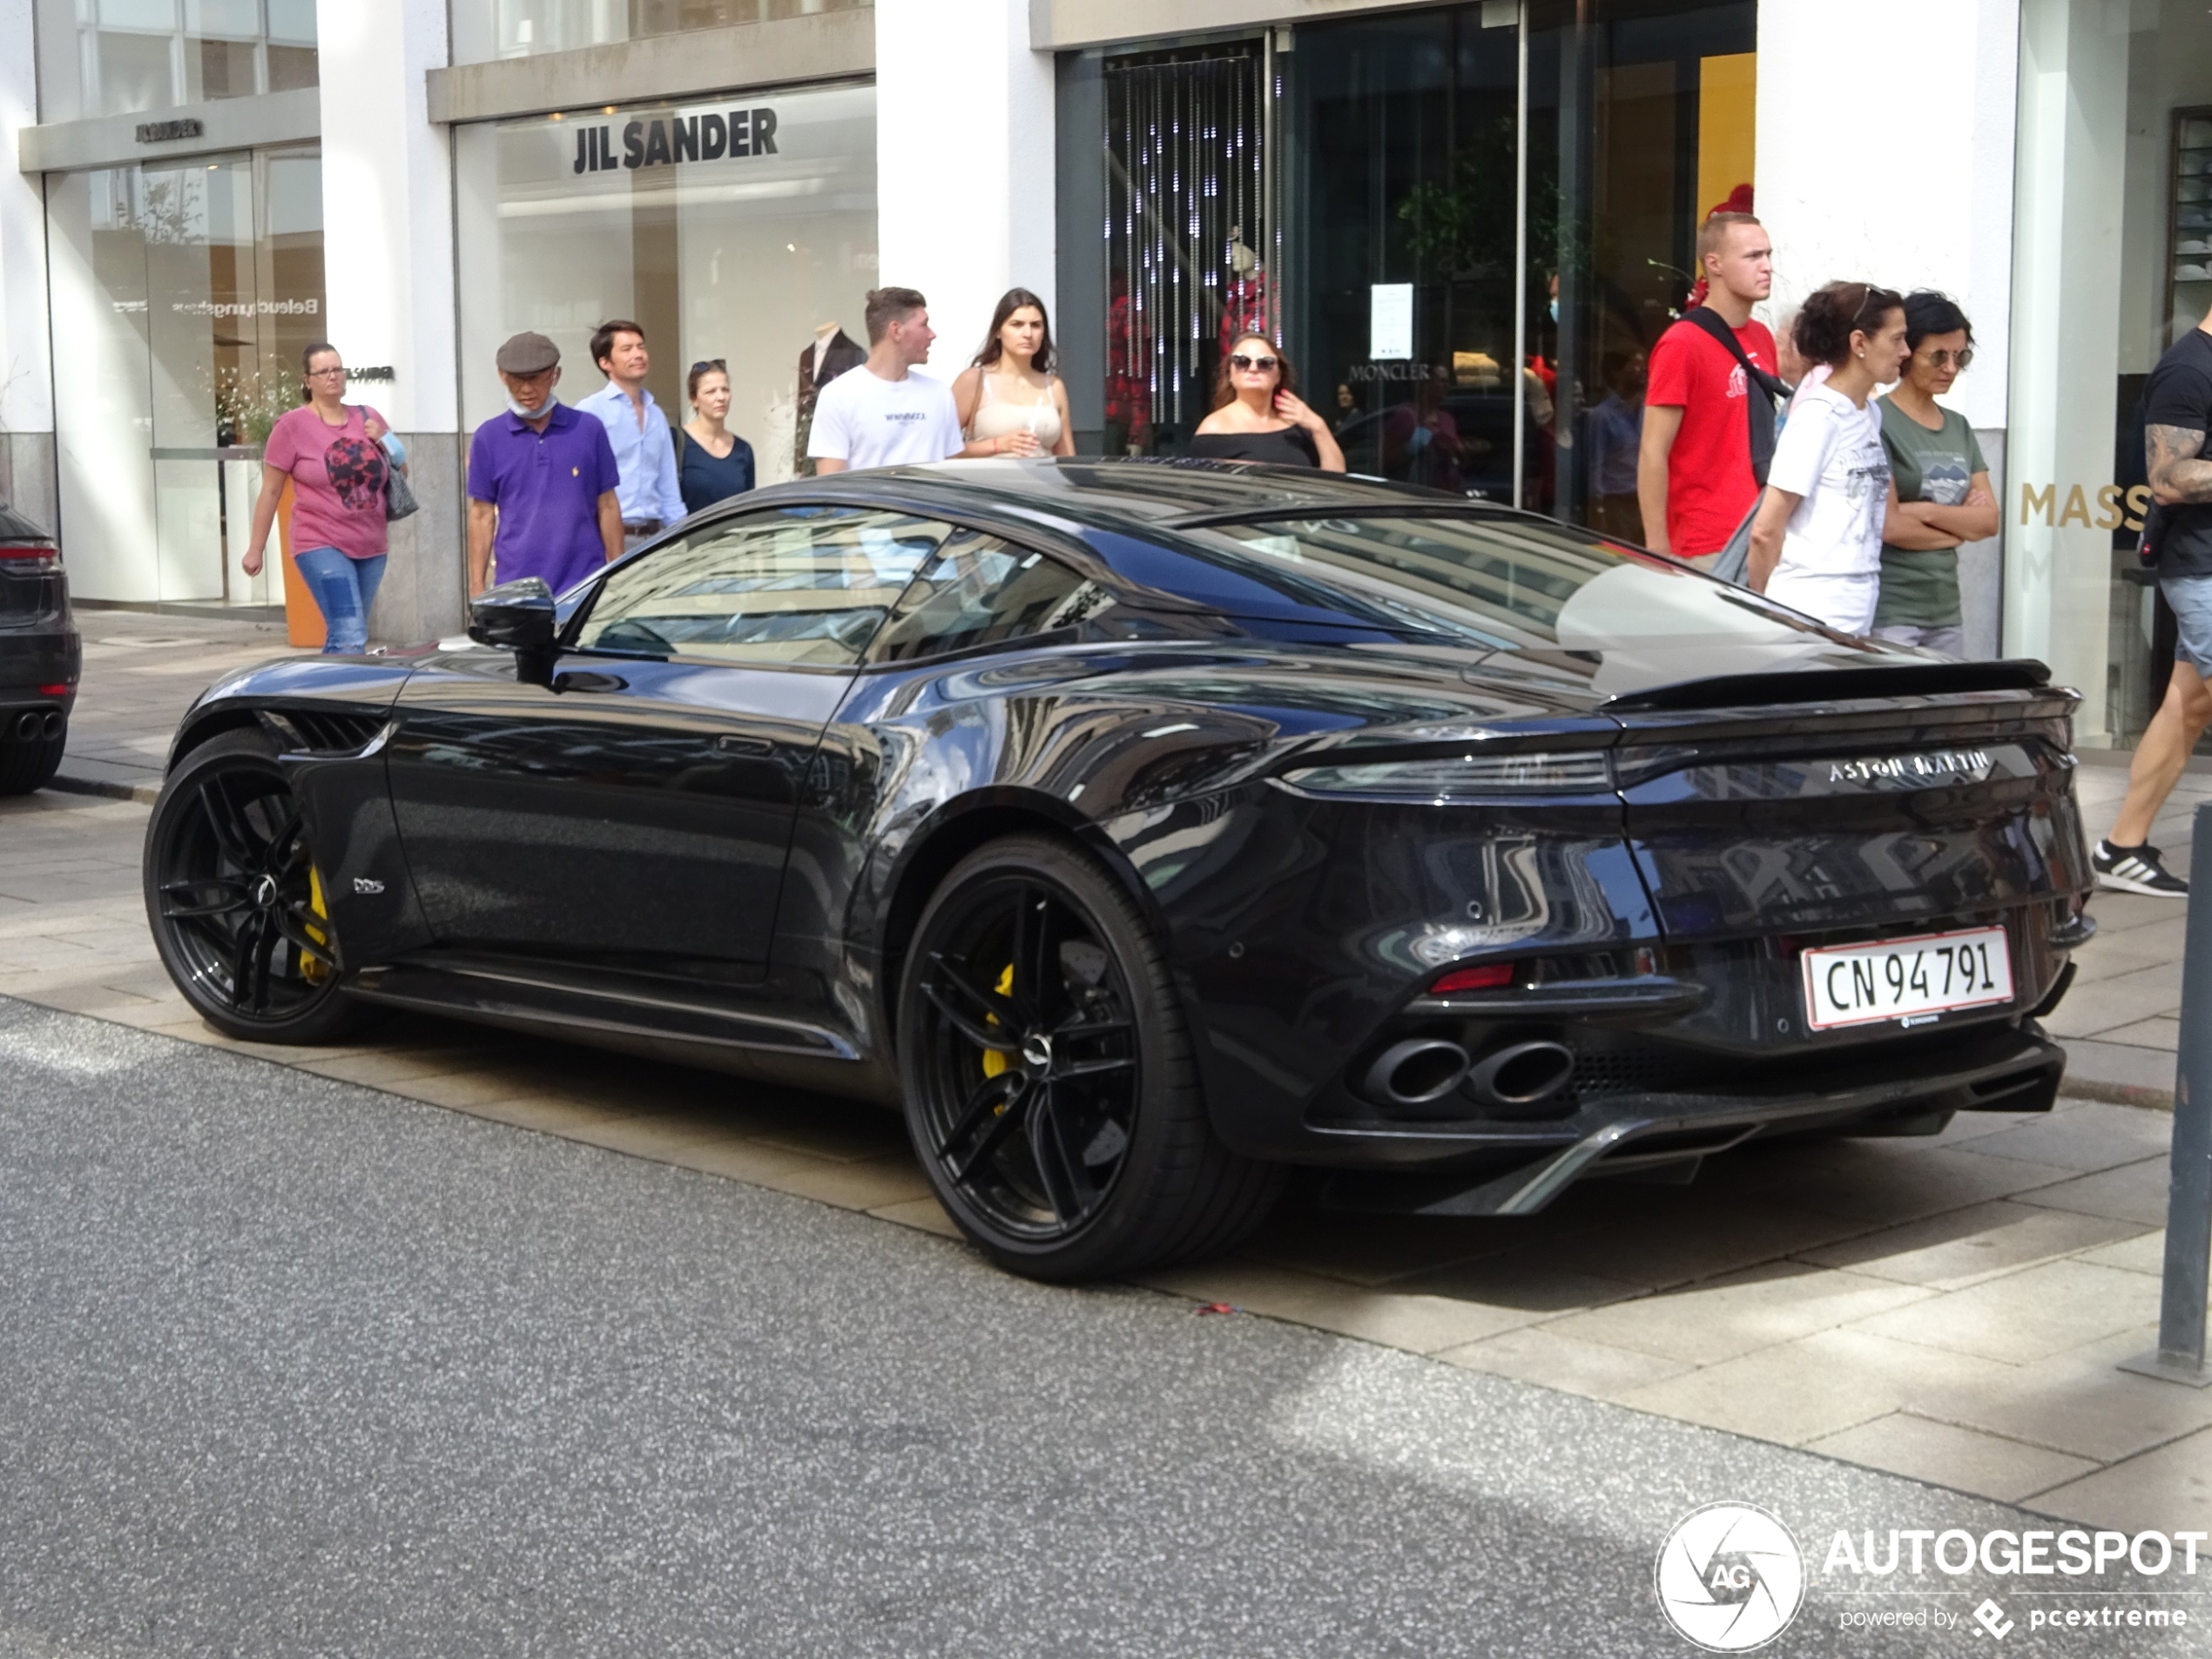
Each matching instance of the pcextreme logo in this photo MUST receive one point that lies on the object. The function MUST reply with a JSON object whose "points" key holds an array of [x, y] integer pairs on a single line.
{"points": [[1730, 1577]]}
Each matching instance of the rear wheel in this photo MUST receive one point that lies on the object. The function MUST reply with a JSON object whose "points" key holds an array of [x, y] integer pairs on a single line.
{"points": [[1050, 1088], [29, 762], [235, 900]]}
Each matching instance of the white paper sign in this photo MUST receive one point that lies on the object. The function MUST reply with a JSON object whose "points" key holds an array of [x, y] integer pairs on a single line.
{"points": [[1390, 321]]}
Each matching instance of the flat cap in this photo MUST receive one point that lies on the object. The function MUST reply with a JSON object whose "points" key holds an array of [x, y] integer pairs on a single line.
{"points": [[529, 354]]}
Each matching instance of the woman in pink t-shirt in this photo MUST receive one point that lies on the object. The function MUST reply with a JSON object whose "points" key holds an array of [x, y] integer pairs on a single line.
{"points": [[333, 452]]}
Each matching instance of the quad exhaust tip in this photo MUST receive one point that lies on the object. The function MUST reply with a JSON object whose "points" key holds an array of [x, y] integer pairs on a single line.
{"points": [[1421, 1071]]}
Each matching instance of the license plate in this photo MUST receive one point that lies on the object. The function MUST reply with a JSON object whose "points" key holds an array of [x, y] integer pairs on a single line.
{"points": [[1907, 979]]}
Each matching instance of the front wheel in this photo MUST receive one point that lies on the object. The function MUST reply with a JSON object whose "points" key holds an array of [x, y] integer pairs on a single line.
{"points": [[1050, 1088], [235, 900]]}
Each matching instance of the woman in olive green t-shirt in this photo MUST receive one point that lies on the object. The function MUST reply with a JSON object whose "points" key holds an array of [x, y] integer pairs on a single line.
{"points": [[1939, 494]]}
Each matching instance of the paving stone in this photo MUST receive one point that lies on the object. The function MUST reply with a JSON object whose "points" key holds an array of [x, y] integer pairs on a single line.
{"points": [[2133, 1192], [1962, 1247], [2077, 1401], [1719, 1319], [926, 1214], [867, 1185], [1538, 1353], [1948, 1455], [1799, 1391], [2085, 1137], [1372, 1250], [2024, 1316], [1395, 1319], [2144, 1254], [2170, 1487]]}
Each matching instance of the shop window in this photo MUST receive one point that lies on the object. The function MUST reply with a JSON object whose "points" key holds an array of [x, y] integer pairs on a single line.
{"points": [[2111, 264], [122, 56], [741, 228], [1191, 257], [185, 294], [483, 30]]}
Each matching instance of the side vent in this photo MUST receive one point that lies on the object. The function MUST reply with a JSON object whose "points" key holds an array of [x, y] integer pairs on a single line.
{"points": [[326, 731]]}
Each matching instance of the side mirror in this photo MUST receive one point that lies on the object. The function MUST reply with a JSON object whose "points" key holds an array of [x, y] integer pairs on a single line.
{"points": [[517, 615]]}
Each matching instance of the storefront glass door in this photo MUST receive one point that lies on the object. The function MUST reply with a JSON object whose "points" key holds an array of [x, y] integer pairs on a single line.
{"points": [[182, 296], [1469, 225], [2111, 264]]}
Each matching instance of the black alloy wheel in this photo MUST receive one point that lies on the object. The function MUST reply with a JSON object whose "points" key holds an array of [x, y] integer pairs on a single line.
{"points": [[235, 901], [1050, 1088]]}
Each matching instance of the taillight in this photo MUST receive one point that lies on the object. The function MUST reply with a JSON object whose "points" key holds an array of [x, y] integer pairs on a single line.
{"points": [[1490, 976], [44, 557], [53, 690]]}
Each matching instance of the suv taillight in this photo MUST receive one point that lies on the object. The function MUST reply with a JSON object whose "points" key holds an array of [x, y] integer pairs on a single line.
{"points": [[17, 556]]}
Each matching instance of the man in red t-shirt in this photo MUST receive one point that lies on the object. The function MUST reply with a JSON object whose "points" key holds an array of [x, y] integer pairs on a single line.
{"points": [[1694, 467]]}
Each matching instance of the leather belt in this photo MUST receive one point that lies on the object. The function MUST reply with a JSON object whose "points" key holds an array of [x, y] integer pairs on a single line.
{"points": [[641, 526]]}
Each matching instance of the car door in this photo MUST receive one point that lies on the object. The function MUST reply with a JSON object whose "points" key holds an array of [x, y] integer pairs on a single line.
{"points": [[636, 813]]}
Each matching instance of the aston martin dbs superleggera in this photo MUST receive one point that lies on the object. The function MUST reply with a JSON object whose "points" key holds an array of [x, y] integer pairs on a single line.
{"points": [[1142, 829]]}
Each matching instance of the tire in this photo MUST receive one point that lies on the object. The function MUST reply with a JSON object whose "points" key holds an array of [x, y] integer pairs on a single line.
{"points": [[233, 899], [25, 766], [1063, 1127]]}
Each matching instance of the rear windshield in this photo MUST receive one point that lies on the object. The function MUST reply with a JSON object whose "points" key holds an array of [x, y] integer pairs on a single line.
{"points": [[1509, 583]]}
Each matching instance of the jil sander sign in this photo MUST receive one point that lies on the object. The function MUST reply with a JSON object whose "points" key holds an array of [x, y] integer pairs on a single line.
{"points": [[668, 141]]}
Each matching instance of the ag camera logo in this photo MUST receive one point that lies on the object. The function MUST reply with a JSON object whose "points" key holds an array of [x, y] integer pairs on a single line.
{"points": [[1730, 1577]]}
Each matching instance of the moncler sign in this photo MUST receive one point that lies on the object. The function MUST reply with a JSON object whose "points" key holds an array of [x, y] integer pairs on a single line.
{"points": [[677, 138]]}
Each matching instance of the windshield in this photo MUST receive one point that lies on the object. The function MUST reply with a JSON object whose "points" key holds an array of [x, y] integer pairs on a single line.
{"points": [[1633, 618]]}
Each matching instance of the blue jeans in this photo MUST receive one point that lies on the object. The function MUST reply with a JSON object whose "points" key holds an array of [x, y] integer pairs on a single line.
{"points": [[344, 590]]}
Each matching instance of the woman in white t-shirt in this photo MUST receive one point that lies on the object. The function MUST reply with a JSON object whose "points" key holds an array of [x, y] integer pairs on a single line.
{"points": [[1817, 538]]}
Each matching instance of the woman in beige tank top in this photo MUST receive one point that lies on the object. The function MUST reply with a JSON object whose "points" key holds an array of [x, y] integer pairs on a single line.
{"points": [[1010, 401]]}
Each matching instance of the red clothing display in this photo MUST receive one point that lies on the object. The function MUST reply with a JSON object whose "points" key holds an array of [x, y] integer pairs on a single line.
{"points": [[1709, 486]]}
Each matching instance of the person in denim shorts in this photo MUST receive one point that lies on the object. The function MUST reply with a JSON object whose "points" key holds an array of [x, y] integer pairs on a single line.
{"points": [[2177, 412]]}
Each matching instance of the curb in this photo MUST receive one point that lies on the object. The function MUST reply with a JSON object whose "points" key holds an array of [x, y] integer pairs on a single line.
{"points": [[144, 794]]}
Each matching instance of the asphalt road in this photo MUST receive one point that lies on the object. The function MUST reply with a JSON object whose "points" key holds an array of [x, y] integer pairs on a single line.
{"points": [[293, 1368]]}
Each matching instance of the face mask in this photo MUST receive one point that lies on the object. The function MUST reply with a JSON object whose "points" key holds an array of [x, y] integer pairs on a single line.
{"points": [[1554, 308], [523, 412]]}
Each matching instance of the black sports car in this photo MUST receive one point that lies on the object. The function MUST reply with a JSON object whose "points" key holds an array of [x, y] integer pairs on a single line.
{"points": [[1146, 829]]}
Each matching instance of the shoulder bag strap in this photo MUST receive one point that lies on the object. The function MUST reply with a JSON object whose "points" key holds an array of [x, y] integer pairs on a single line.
{"points": [[1711, 322]]}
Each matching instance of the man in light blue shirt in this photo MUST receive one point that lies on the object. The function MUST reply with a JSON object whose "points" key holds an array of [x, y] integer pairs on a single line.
{"points": [[644, 453]]}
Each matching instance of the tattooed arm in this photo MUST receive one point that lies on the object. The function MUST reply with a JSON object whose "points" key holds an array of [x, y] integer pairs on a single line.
{"points": [[2177, 476]]}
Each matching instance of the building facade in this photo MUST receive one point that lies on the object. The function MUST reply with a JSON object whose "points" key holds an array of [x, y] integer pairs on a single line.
{"points": [[1468, 221]]}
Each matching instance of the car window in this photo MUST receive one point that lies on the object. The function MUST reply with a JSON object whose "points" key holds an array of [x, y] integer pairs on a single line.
{"points": [[799, 585], [978, 590]]}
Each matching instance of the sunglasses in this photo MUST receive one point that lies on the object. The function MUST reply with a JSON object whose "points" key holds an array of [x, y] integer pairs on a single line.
{"points": [[1938, 359], [710, 362], [1244, 365]]}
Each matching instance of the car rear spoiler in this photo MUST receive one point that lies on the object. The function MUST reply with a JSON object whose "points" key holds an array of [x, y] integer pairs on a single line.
{"points": [[1839, 684]]}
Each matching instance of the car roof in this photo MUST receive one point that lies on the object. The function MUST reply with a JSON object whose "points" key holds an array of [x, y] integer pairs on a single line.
{"points": [[1162, 491]]}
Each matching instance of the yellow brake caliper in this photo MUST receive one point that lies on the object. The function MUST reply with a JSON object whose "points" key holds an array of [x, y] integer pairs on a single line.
{"points": [[994, 1062], [313, 969]]}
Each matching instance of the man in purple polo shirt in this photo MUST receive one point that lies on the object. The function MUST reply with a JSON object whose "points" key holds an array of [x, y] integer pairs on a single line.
{"points": [[541, 481]]}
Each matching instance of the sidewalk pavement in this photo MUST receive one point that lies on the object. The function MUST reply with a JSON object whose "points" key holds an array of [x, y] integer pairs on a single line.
{"points": [[1950, 1308]]}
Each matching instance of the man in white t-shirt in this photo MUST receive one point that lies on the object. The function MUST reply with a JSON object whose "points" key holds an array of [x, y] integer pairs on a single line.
{"points": [[879, 415]]}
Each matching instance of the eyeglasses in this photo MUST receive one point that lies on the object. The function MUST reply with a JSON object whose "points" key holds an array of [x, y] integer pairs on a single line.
{"points": [[1940, 359], [705, 363], [325, 374], [1242, 364]]}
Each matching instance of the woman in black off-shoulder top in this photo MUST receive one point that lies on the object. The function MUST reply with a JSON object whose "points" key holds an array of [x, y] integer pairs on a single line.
{"points": [[1257, 416]]}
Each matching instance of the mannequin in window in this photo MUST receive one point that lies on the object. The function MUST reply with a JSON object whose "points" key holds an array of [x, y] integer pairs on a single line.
{"points": [[831, 353]]}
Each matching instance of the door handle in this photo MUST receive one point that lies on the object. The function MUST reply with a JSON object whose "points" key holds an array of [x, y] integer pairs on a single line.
{"points": [[731, 743]]}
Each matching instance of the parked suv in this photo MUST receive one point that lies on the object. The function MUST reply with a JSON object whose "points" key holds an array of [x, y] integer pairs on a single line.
{"points": [[40, 655]]}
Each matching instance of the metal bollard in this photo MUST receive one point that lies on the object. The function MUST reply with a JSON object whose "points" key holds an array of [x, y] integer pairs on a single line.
{"points": [[2179, 1354]]}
